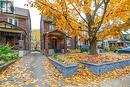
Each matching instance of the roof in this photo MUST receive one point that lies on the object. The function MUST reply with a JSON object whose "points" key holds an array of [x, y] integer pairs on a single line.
{"points": [[21, 11], [57, 33]]}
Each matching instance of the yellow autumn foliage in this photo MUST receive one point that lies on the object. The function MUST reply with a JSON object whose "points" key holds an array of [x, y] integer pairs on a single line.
{"points": [[36, 33], [94, 15]]}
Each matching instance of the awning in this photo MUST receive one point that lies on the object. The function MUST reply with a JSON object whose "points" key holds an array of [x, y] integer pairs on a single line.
{"points": [[7, 27]]}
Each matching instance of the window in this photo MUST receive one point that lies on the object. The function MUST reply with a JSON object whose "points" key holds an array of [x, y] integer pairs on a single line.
{"points": [[85, 43], [9, 7], [16, 22], [3, 6], [6, 6], [10, 21], [13, 21], [68, 42], [51, 27]]}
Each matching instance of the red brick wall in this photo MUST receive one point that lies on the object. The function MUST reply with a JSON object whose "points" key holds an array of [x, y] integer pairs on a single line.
{"points": [[3, 17], [46, 26], [22, 23], [72, 43]]}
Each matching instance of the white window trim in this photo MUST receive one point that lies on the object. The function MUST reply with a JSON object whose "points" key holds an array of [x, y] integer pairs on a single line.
{"points": [[13, 21]]}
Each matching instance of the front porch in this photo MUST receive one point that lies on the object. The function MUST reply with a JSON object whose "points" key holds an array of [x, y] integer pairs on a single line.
{"points": [[54, 42], [12, 35]]}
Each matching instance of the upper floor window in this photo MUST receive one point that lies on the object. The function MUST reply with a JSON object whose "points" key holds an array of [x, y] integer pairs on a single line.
{"points": [[51, 27], [10, 21], [2, 6], [13, 21], [10, 7], [6, 6]]}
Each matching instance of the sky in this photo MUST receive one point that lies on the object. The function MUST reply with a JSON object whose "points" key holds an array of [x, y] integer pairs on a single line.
{"points": [[35, 17]]}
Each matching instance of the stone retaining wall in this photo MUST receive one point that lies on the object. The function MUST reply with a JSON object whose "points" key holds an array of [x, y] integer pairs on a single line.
{"points": [[3, 67], [66, 70], [99, 69]]}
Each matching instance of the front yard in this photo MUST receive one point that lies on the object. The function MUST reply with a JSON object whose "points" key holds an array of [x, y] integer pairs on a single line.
{"points": [[84, 76], [97, 59]]}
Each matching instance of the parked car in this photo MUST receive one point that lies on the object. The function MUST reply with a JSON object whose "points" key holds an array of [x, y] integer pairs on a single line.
{"points": [[123, 50]]}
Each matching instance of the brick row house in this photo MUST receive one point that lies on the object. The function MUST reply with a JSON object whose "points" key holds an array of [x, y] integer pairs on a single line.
{"points": [[55, 40], [52, 39], [15, 26]]}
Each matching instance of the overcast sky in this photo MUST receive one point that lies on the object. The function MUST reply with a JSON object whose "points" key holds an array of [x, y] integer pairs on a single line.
{"points": [[35, 17]]}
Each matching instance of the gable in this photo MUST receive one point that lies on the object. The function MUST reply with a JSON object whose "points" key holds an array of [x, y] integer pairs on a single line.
{"points": [[7, 27]]}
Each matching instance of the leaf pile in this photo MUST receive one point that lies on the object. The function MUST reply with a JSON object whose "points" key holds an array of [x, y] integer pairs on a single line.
{"points": [[100, 58], [17, 75]]}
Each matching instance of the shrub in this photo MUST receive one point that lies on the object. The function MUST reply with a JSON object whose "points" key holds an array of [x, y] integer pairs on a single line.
{"points": [[6, 54], [106, 49], [5, 49], [55, 57], [76, 51], [115, 48], [120, 47], [86, 49], [68, 50]]}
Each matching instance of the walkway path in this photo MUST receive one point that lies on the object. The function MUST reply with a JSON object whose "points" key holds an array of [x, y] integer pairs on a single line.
{"points": [[28, 72]]}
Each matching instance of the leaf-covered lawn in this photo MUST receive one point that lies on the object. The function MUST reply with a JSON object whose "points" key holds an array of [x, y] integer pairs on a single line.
{"points": [[100, 58]]}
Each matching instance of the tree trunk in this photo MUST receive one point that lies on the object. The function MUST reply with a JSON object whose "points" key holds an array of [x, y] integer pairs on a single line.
{"points": [[93, 47]]}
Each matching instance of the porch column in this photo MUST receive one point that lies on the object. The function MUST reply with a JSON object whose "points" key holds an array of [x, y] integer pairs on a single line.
{"points": [[25, 43], [21, 36], [46, 45], [65, 45], [21, 42], [43, 43]]}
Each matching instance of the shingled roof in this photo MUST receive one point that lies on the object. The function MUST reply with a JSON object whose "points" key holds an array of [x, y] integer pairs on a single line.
{"points": [[21, 11]]}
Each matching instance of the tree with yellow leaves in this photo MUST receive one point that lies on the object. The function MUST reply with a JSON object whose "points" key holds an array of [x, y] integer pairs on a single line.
{"points": [[35, 38], [99, 18]]}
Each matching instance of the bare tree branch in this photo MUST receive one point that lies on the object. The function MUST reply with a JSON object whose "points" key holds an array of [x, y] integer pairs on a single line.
{"points": [[79, 13], [95, 11], [100, 23]]}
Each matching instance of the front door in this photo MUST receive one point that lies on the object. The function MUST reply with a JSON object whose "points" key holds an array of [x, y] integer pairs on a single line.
{"points": [[54, 43]]}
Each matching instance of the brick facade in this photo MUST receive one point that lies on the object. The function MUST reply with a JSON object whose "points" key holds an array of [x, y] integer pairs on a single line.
{"points": [[50, 38], [24, 22], [3, 17]]}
